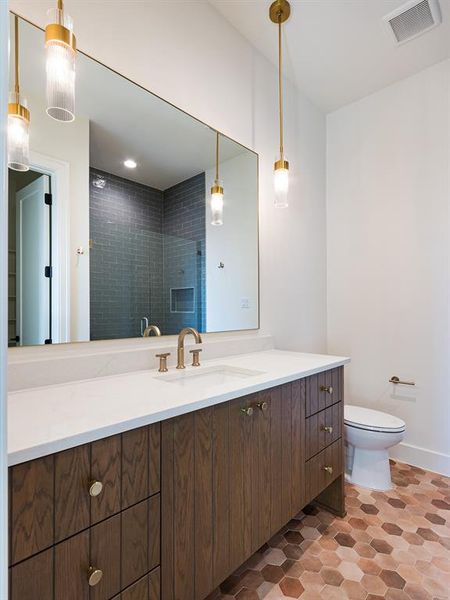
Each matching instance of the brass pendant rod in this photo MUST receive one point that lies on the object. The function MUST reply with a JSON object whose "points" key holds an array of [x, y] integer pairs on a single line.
{"points": [[16, 56], [60, 11], [217, 156], [280, 85]]}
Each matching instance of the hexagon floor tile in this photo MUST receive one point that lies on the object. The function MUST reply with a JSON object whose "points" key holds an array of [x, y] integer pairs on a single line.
{"points": [[391, 546]]}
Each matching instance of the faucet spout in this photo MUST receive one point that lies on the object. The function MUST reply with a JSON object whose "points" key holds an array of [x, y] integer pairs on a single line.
{"points": [[180, 352], [148, 330]]}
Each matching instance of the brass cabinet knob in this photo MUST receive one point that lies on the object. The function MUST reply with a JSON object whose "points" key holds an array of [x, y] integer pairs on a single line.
{"points": [[329, 470], [195, 357], [94, 576], [95, 488], [247, 411], [163, 362], [326, 388], [263, 406], [327, 428]]}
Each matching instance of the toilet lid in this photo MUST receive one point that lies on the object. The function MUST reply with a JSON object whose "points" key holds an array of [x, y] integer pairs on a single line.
{"points": [[374, 420]]}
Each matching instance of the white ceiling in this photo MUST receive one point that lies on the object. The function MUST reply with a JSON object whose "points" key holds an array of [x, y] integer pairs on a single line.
{"points": [[128, 122], [338, 51]]}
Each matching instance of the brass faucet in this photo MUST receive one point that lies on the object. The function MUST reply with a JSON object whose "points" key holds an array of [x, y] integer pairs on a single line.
{"points": [[156, 330], [180, 352]]}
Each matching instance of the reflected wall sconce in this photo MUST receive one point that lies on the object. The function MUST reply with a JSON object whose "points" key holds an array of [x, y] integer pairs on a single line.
{"points": [[217, 192], [60, 45], [279, 13], [18, 118]]}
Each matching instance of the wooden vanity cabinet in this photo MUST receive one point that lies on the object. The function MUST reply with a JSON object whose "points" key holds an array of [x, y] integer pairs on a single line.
{"points": [[182, 503]]}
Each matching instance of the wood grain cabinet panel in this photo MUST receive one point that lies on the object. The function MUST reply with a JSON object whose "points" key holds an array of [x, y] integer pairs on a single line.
{"points": [[72, 499], [323, 428], [31, 508], [32, 579], [154, 462], [154, 584], [106, 468], [105, 555], [135, 466], [318, 476], [72, 567], [134, 544], [137, 591], [323, 390]]}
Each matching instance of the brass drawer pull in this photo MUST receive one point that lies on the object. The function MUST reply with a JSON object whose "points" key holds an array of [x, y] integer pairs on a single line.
{"points": [[327, 428], [95, 488], [263, 406], [329, 470], [94, 576], [326, 388], [247, 411]]}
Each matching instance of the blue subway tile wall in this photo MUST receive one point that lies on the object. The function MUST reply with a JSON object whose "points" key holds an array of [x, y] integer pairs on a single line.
{"points": [[144, 241]]}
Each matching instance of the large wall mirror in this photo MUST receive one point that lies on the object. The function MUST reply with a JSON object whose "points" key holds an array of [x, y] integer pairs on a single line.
{"points": [[110, 229]]}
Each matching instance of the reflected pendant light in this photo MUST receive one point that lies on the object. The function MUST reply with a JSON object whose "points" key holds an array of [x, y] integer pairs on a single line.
{"points": [[217, 192], [18, 118], [279, 13], [60, 46]]}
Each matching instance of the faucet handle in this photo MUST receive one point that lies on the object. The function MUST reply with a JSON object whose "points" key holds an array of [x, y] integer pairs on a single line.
{"points": [[163, 362], [195, 356]]}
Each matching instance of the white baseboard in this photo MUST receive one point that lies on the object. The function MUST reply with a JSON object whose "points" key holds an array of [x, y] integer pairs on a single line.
{"points": [[421, 457]]}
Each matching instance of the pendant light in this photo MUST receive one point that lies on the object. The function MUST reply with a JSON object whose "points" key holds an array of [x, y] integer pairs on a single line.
{"points": [[279, 13], [18, 118], [217, 192], [60, 45]]}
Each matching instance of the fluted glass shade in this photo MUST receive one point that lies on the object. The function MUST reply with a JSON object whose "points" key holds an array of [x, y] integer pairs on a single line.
{"points": [[60, 67], [18, 138], [217, 204], [281, 187]]}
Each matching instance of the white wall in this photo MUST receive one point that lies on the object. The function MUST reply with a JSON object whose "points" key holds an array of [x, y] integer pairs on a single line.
{"points": [[188, 54], [388, 255], [4, 27], [232, 292]]}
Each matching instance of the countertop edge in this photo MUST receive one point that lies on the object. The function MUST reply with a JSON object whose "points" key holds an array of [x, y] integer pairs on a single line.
{"points": [[65, 443]]}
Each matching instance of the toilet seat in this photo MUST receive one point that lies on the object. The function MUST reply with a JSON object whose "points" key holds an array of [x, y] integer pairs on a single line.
{"points": [[372, 420]]}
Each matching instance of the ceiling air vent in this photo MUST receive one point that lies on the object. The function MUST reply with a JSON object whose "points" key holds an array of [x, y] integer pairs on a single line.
{"points": [[412, 19]]}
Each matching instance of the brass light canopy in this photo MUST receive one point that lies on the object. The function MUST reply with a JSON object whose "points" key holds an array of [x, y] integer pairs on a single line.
{"points": [[60, 45], [217, 192], [18, 117], [279, 13]]}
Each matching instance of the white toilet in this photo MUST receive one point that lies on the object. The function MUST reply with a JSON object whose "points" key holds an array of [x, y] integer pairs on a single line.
{"points": [[369, 434]]}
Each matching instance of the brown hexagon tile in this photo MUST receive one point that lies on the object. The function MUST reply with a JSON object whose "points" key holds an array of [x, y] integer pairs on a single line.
{"points": [[369, 509], [381, 546], [293, 537], [392, 529], [416, 592], [353, 590], [357, 523], [291, 587], [394, 594], [345, 539], [373, 584], [329, 559], [293, 551], [392, 579], [396, 503], [368, 566], [413, 538], [246, 594], [310, 563], [251, 579], [427, 534], [441, 504], [365, 550], [272, 573], [434, 518], [332, 576]]}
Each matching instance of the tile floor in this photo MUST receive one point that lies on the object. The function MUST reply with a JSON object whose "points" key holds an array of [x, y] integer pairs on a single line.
{"points": [[393, 546]]}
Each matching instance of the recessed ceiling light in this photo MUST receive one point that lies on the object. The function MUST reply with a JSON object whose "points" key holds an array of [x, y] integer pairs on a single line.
{"points": [[130, 164]]}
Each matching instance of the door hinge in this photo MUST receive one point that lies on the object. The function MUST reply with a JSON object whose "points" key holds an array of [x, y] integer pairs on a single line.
{"points": [[48, 341], [48, 199], [48, 272]]}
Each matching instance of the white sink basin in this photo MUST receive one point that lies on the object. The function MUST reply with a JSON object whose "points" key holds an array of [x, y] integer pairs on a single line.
{"points": [[208, 376]]}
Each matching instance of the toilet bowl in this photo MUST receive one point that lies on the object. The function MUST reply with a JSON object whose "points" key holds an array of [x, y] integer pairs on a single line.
{"points": [[368, 436]]}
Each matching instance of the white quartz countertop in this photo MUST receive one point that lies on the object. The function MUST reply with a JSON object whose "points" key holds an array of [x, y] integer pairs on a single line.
{"points": [[49, 419]]}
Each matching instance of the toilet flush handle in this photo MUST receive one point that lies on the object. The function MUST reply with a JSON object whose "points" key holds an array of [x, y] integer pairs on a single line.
{"points": [[396, 380]]}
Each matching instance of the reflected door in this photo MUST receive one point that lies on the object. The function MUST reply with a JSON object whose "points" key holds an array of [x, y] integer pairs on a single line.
{"points": [[33, 220]]}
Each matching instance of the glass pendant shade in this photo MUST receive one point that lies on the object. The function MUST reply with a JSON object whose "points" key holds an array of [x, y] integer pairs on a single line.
{"points": [[18, 134], [60, 48], [217, 204], [281, 183]]}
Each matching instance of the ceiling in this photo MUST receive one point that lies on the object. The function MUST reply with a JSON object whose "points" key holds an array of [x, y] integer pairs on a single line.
{"points": [[126, 121], [338, 51]]}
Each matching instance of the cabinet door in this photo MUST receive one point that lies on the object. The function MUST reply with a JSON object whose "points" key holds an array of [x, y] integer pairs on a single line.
{"points": [[134, 545], [105, 555], [106, 468], [72, 567], [33, 578]]}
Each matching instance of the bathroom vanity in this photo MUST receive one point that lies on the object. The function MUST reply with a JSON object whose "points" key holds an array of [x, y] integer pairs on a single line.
{"points": [[167, 502]]}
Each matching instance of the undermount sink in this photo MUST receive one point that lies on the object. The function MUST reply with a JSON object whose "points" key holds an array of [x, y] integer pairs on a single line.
{"points": [[217, 375]]}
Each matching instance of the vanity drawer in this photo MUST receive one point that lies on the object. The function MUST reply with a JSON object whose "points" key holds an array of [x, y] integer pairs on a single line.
{"points": [[322, 429], [55, 497], [323, 390], [323, 469], [147, 588]]}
